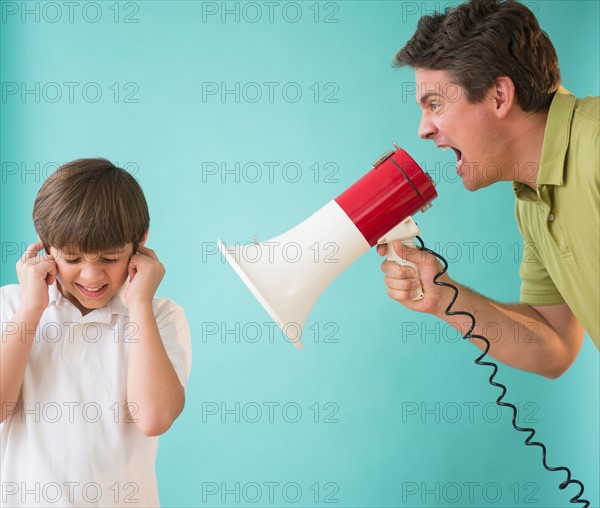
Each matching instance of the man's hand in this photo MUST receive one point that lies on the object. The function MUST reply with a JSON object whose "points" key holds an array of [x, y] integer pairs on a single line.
{"points": [[403, 284], [35, 274], [145, 275]]}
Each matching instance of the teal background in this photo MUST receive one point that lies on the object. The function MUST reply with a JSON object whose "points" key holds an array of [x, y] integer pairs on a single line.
{"points": [[358, 441]]}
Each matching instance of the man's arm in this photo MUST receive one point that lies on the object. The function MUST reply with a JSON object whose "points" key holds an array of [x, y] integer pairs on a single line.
{"points": [[544, 340]]}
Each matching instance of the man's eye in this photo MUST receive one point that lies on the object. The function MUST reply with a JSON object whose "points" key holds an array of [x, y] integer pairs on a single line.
{"points": [[433, 106]]}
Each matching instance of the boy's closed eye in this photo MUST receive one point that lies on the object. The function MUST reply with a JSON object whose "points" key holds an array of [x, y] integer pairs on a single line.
{"points": [[74, 261]]}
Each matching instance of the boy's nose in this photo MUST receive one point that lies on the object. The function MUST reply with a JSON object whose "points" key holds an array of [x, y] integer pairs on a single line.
{"points": [[91, 273], [427, 129]]}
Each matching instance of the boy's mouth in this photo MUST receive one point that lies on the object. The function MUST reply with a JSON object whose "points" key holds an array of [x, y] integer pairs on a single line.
{"points": [[92, 292]]}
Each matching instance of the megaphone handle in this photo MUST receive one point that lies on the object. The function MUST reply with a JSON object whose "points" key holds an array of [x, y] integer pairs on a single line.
{"points": [[393, 256]]}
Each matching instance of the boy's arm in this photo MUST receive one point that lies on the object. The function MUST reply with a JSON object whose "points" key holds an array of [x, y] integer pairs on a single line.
{"points": [[35, 275], [152, 383]]}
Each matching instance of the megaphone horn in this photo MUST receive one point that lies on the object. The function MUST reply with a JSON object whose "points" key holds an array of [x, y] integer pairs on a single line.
{"points": [[288, 273]]}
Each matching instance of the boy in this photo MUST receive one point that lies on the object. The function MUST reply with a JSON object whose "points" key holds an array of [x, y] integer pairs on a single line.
{"points": [[92, 366]]}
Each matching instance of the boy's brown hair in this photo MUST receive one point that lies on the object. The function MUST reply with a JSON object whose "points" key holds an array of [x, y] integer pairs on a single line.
{"points": [[90, 204], [481, 40]]}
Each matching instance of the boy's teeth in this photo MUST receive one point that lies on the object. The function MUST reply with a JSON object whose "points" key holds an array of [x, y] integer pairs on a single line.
{"points": [[92, 289]]}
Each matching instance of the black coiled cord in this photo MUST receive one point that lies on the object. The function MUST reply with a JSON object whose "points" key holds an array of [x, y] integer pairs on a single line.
{"points": [[499, 401]]}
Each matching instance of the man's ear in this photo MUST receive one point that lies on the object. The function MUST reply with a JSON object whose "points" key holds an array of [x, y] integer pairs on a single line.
{"points": [[504, 96]]}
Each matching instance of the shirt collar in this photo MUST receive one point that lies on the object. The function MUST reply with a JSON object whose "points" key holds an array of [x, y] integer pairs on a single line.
{"points": [[556, 138], [118, 304], [54, 295], [555, 145]]}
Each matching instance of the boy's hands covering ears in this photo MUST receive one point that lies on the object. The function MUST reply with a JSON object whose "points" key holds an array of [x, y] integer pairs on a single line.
{"points": [[145, 275], [35, 274]]}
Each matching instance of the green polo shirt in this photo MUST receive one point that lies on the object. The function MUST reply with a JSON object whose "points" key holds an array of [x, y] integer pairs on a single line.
{"points": [[560, 223]]}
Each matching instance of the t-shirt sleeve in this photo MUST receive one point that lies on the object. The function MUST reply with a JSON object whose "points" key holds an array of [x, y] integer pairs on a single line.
{"points": [[175, 333], [537, 287], [9, 301]]}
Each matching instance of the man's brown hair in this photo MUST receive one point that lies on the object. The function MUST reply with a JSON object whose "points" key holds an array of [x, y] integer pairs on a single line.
{"points": [[90, 204], [481, 40]]}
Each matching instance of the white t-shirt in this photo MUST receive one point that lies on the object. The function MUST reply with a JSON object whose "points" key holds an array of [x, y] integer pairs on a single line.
{"points": [[71, 440]]}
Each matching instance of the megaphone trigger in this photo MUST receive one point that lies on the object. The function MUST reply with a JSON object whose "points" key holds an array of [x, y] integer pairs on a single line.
{"points": [[392, 255], [406, 232]]}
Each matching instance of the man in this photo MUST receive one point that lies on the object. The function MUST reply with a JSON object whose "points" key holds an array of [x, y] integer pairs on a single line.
{"points": [[489, 88]]}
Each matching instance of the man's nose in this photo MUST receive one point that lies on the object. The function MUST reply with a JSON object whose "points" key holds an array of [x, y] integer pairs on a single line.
{"points": [[427, 129]]}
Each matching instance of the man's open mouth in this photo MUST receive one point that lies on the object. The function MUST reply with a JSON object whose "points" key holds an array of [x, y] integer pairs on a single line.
{"points": [[458, 154]]}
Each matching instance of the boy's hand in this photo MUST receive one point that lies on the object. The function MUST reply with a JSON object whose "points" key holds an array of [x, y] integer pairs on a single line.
{"points": [[35, 274], [145, 274]]}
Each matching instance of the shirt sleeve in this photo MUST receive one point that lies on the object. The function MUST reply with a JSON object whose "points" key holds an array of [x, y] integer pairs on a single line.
{"points": [[175, 334], [9, 301], [537, 287]]}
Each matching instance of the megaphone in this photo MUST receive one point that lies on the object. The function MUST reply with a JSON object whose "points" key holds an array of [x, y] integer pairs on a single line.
{"points": [[288, 273]]}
